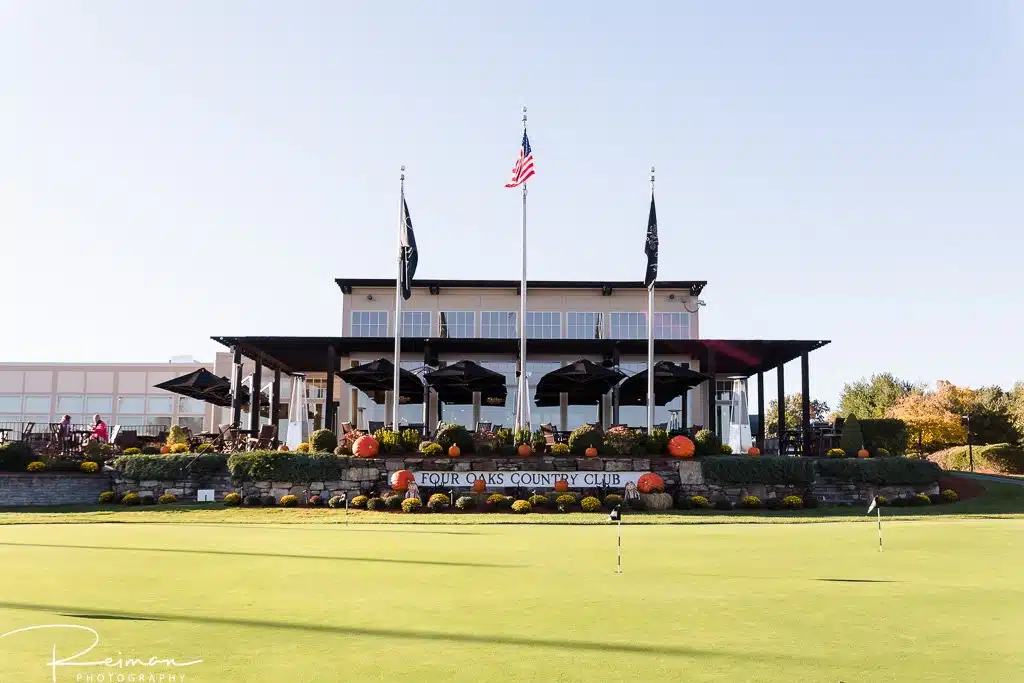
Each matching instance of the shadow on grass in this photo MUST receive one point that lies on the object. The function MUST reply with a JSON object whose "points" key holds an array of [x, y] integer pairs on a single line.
{"points": [[859, 580], [430, 636], [113, 617], [299, 557]]}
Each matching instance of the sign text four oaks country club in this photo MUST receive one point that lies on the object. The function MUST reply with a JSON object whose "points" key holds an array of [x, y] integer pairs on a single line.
{"points": [[527, 479]]}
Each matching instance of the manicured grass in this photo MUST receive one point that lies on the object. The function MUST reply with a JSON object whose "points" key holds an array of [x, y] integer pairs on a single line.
{"points": [[319, 602]]}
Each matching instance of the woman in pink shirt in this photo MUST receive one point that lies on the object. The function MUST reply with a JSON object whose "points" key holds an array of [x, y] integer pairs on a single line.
{"points": [[99, 429]]}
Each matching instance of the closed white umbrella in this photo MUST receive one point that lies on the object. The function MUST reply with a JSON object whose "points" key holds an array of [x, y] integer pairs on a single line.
{"points": [[298, 414], [739, 419]]}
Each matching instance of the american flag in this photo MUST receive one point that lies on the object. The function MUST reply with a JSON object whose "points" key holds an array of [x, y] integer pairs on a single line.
{"points": [[523, 170]]}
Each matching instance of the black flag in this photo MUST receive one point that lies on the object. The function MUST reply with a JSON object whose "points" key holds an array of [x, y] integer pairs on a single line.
{"points": [[410, 255], [651, 246]]}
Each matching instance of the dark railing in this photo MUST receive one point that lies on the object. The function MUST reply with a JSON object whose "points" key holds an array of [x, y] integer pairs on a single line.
{"points": [[43, 429]]}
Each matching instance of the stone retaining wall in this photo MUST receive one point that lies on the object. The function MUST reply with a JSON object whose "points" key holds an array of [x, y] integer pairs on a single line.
{"points": [[29, 488], [365, 476]]}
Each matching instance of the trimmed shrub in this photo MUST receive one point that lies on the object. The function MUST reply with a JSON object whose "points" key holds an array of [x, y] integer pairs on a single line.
{"points": [[253, 500], [268, 501], [289, 501], [316, 501], [205, 448], [538, 501], [132, 451], [431, 449], [36, 466], [656, 442], [387, 440], [880, 471], [584, 437], [375, 503], [521, 507], [283, 466], [411, 505], [147, 498], [700, 503], [499, 502], [763, 470], [107, 497], [920, 499], [726, 449], [167, 499], [337, 502], [707, 442], [620, 440], [303, 447], [89, 467], [163, 467], [410, 438], [465, 503], [888, 433], [323, 441], [341, 451], [449, 435], [881, 453], [559, 449], [949, 496], [439, 502], [15, 456], [565, 502], [504, 436], [179, 448], [393, 502], [750, 502], [612, 499], [150, 450], [836, 453], [131, 499], [357, 502], [852, 439], [590, 504], [233, 499], [792, 502], [177, 436]]}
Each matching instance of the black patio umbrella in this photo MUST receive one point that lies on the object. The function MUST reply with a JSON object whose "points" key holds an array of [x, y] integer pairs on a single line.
{"points": [[456, 383], [378, 376], [670, 381], [584, 381], [202, 385]]}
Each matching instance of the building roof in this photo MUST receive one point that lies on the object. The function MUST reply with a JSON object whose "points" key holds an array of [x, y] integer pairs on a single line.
{"points": [[739, 357], [695, 286]]}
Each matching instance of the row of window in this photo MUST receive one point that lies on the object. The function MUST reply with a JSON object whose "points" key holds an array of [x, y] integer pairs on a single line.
{"points": [[102, 404], [539, 325]]}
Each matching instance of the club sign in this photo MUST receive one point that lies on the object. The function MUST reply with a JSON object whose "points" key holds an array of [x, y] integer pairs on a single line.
{"points": [[527, 479]]}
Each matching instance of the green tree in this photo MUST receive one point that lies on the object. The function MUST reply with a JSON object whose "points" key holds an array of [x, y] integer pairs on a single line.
{"points": [[1016, 407], [852, 439], [794, 413], [872, 398]]}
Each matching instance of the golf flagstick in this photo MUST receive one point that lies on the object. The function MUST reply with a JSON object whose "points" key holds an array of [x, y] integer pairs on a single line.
{"points": [[878, 509], [616, 516]]}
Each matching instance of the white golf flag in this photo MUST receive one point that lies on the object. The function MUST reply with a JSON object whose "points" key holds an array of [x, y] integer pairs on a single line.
{"points": [[874, 504]]}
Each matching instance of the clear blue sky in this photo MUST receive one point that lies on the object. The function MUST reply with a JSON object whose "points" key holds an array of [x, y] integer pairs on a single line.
{"points": [[843, 171]]}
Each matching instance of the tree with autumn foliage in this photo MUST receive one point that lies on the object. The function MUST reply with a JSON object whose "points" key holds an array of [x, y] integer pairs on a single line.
{"points": [[937, 416]]}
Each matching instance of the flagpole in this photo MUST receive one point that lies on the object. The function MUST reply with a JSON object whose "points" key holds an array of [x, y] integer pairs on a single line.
{"points": [[398, 305], [650, 342], [878, 509], [523, 418]]}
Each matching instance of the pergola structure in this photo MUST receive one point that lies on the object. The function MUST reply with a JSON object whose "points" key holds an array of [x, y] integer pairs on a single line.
{"points": [[740, 358]]}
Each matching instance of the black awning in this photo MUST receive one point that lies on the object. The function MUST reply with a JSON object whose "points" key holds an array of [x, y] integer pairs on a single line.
{"points": [[456, 383], [584, 381], [378, 376], [670, 380]]}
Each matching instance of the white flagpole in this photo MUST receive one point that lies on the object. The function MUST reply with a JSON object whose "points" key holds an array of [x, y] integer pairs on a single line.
{"points": [[619, 557], [398, 305], [523, 419], [878, 509], [650, 342]]}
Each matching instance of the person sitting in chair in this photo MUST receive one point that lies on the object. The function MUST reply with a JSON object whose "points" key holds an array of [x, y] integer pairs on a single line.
{"points": [[99, 429], [65, 434]]}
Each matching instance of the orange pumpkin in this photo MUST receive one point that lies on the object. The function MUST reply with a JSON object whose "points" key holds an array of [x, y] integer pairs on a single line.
{"points": [[590, 452], [283, 448], [754, 450], [164, 450], [562, 485], [454, 451], [365, 447], [401, 479], [650, 483], [525, 450], [863, 453], [479, 486], [681, 447]]}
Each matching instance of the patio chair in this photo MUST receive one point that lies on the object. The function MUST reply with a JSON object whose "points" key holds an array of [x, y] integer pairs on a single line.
{"points": [[372, 427], [26, 430], [661, 425], [264, 441], [550, 434], [126, 438], [484, 426], [346, 428]]}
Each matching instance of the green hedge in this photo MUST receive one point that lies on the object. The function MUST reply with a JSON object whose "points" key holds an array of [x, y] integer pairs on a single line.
{"points": [[1001, 458], [890, 434], [881, 471], [170, 466], [15, 456], [286, 466], [763, 470]]}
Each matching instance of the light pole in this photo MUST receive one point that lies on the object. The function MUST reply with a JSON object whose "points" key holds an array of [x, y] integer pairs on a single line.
{"points": [[966, 420]]}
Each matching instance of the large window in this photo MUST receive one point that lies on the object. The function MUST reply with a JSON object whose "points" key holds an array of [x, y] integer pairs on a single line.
{"points": [[458, 324], [543, 325], [37, 404], [498, 325], [501, 416], [629, 325], [416, 324], [162, 404], [70, 404], [369, 323], [188, 405], [99, 404], [675, 325], [579, 325], [195, 425], [10, 404], [131, 404]]}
